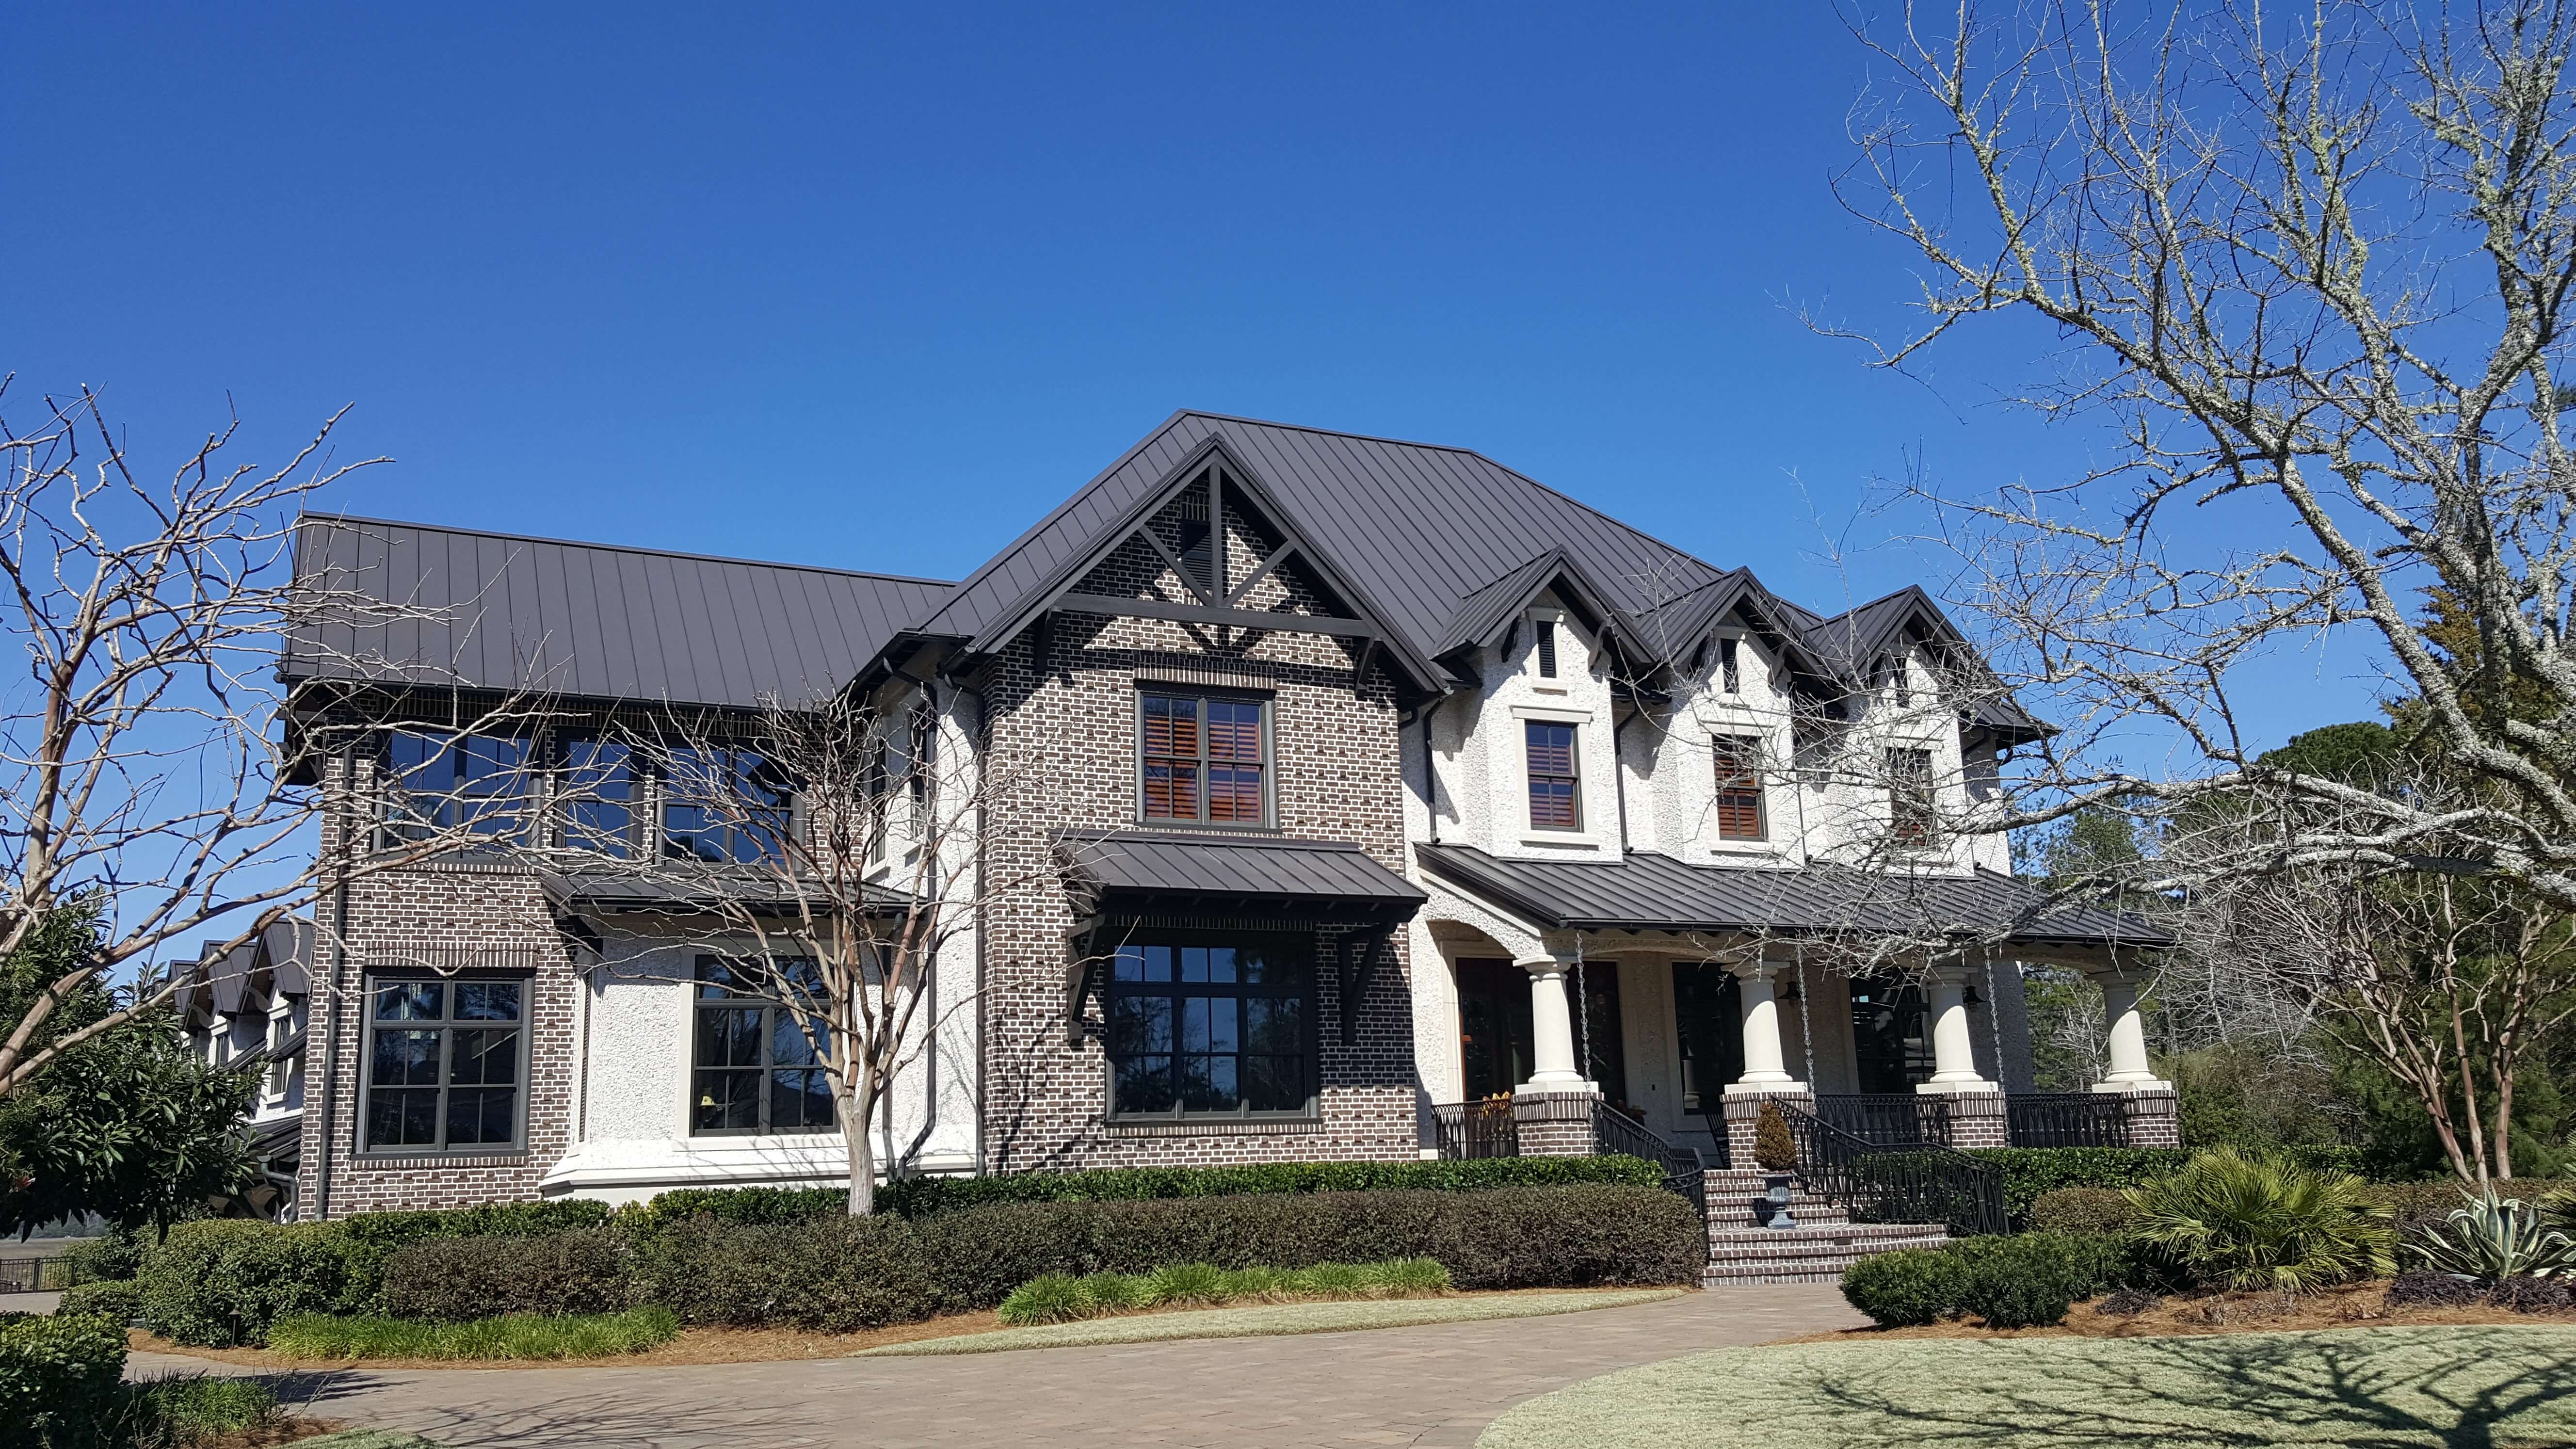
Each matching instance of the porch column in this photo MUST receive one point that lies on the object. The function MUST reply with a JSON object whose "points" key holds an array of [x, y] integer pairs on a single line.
{"points": [[1552, 1111], [2130, 1071], [1954, 1052], [1758, 1009]]}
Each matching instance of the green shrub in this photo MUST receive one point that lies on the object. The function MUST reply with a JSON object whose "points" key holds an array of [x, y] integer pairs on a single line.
{"points": [[744, 1206], [1244, 1285], [59, 1378], [458, 1279], [2024, 1282], [369, 1240], [2031, 1171], [1906, 1288], [1115, 1292], [220, 1282], [1408, 1278], [1049, 1298], [2271, 1223], [2417, 1205], [516, 1336], [119, 1299], [113, 1256], [2081, 1210], [834, 1274], [1332, 1280], [1186, 1284], [923, 1196], [189, 1408], [2493, 1238]]}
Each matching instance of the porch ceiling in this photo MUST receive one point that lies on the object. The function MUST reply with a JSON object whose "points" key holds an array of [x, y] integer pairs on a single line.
{"points": [[1650, 892]]}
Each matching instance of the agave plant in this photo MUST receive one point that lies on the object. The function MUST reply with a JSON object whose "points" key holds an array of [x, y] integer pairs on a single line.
{"points": [[2494, 1238], [2264, 1223]]}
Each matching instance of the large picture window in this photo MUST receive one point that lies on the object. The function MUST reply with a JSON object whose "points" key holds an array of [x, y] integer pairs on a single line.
{"points": [[1202, 758], [446, 1059], [447, 781], [1739, 787], [1212, 1029], [754, 1068], [1555, 794]]}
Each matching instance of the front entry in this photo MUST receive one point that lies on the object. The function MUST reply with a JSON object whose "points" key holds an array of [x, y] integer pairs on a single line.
{"points": [[1891, 1048], [1495, 1054]]}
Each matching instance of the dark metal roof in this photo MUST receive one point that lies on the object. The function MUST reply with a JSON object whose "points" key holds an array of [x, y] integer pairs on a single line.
{"points": [[1418, 528], [690, 889], [1487, 614], [285, 948], [1245, 868], [1650, 892], [587, 620]]}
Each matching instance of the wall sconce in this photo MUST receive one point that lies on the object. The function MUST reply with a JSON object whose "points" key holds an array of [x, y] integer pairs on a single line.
{"points": [[1970, 997]]}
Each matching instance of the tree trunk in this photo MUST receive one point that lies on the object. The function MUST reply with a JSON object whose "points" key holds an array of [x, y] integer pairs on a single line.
{"points": [[857, 1107]]}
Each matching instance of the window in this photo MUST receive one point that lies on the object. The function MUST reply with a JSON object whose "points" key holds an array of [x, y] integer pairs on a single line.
{"points": [[444, 1064], [1910, 816], [722, 806], [1202, 758], [1554, 793], [754, 1069], [446, 781], [1199, 1029], [1546, 631], [1730, 672], [1739, 787], [598, 795]]}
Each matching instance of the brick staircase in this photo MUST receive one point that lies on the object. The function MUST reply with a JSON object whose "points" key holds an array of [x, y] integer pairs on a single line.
{"points": [[1825, 1242]]}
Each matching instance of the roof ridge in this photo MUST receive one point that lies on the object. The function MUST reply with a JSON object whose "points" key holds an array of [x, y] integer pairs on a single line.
{"points": [[763, 563]]}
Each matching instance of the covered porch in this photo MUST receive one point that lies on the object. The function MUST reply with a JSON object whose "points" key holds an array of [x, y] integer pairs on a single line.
{"points": [[1682, 997]]}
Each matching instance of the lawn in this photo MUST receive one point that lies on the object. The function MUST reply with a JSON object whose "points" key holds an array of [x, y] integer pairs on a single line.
{"points": [[2372, 1388], [1271, 1320]]}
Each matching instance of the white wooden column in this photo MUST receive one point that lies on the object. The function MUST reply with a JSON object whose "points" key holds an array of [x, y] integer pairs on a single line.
{"points": [[2130, 1071], [1552, 1063], [1758, 1009], [1954, 1050]]}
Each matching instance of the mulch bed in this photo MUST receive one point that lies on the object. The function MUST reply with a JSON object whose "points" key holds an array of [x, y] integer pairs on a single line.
{"points": [[2355, 1305]]}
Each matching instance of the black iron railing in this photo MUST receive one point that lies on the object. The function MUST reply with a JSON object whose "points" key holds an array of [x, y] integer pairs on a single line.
{"points": [[1685, 1172], [36, 1275], [1890, 1120], [1897, 1183], [1477, 1129], [2066, 1119]]}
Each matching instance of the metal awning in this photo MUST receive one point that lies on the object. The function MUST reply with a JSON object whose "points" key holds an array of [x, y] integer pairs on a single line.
{"points": [[1652, 892], [688, 891]]}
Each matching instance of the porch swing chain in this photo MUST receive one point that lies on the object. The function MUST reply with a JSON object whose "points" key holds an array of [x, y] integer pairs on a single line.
{"points": [[1582, 1006]]}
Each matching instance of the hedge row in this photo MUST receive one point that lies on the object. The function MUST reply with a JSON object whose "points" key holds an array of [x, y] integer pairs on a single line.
{"points": [[59, 1379], [923, 1197], [2011, 1282], [2413, 1205], [2031, 1171]]}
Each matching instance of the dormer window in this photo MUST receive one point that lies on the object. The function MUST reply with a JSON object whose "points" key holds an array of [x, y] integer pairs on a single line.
{"points": [[1546, 630], [1730, 676], [1913, 820], [1555, 793], [1739, 787]]}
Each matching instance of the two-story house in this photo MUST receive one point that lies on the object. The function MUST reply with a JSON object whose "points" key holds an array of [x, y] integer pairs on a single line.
{"points": [[1383, 785]]}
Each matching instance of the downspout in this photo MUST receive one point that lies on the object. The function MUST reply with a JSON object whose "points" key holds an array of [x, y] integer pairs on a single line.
{"points": [[1619, 771], [983, 763], [1430, 772]]}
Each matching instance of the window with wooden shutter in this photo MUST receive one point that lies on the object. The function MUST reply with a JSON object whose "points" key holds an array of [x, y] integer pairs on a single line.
{"points": [[1739, 787], [1554, 792], [1202, 758]]}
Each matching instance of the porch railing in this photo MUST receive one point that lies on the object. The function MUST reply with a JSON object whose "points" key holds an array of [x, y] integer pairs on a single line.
{"points": [[1897, 1183], [1477, 1129], [1888, 1119], [2065, 1119]]}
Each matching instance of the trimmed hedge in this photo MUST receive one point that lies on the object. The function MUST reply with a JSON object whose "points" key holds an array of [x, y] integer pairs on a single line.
{"points": [[2081, 1210], [456, 1280], [2011, 1282], [2032, 1171], [220, 1282], [369, 1240], [842, 1273], [60, 1379], [118, 1298], [923, 1197]]}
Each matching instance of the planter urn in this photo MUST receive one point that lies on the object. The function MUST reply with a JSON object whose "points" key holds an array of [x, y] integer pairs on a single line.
{"points": [[1774, 1203]]}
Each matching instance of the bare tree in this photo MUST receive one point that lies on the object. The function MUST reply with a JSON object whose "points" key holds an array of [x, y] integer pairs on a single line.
{"points": [[148, 777], [832, 858]]}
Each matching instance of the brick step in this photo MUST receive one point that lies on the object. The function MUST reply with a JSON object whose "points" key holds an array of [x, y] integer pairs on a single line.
{"points": [[1743, 1256], [1732, 1199]]}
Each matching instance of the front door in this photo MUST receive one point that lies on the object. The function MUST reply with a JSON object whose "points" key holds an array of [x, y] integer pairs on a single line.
{"points": [[1493, 1028], [1891, 1051]]}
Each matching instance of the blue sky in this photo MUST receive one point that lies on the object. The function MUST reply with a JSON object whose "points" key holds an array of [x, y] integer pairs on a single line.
{"points": [[874, 288]]}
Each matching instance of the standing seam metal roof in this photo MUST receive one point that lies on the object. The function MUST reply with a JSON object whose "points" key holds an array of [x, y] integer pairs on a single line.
{"points": [[1256, 867]]}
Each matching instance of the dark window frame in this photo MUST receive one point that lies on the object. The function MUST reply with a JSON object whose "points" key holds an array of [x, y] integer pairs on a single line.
{"points": [[454, 801], [1913, 799], [1545, 630], [1730, 666], [446, 1025], [764, 1069], [1571, 778], [1309, 1052], [1203, 696], [769, 843], [1739, 775], [569, 800]]}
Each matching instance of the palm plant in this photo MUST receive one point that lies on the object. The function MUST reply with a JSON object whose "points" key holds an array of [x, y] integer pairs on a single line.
{"points": [[2265, 1223], [2494, 1238]]}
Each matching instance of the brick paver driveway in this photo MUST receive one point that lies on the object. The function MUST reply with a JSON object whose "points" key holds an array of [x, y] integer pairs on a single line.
{"points": [[1437, 1385]]}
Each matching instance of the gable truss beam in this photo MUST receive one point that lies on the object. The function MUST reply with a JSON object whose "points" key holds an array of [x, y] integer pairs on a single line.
{"points": [[1203, 614], [1278, 556]]}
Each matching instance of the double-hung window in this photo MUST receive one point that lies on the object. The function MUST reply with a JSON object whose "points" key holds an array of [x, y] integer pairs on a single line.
{"points": [[1555, 792], [722, 805], [441, 781], [1203, 758], [446, 1060], [598, 794], [1911, 817], [1212, 1028], [755, 1068], [1739, 787]]}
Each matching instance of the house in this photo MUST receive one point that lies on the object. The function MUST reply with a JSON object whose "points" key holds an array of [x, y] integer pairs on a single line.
{"points": [[247, 1005], [1398, 805]]}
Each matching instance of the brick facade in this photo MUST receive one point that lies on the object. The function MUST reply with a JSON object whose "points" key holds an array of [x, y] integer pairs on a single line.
{"points": [[1335, 776]]}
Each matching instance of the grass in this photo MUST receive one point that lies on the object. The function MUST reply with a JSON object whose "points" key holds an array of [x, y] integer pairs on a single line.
{"points": [[1062, 1298], [1277, 1319], [188, 1409], [514, 1336], [2384, 1388]]}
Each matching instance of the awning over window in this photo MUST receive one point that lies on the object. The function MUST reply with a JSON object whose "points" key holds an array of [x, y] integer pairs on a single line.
{"points": [[1650, 892], [1135, 869]]}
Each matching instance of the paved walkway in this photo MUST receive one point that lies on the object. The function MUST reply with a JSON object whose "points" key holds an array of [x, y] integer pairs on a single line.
{"points": [[1431, 1386]]}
